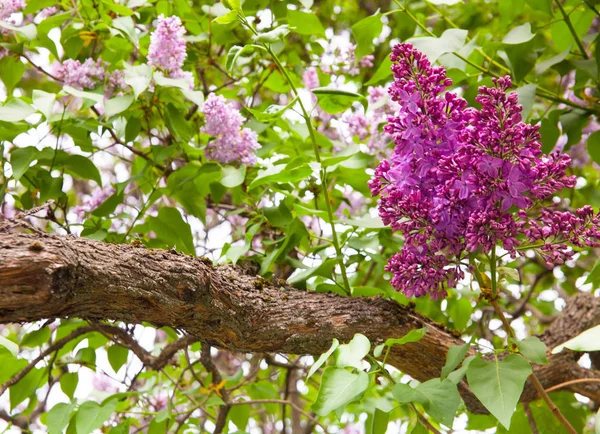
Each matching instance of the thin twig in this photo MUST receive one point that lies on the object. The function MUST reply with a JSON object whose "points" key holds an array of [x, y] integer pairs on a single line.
{"points": [[281, 401], [568, 383]]}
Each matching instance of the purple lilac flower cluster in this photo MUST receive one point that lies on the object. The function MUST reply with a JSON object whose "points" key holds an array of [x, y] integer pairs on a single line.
{"points": [[463, 179], [167, 49], [231, 142]]}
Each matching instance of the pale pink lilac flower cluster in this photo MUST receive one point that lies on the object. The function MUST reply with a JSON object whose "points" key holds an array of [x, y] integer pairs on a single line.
{"points": [[9, 7], [463, 179], [88, 75], [47, 12], [231, 143], [79, 75], [167, 50]]}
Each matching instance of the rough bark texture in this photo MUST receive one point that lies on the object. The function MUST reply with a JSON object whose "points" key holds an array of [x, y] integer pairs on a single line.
{"points": [[47, 276]]}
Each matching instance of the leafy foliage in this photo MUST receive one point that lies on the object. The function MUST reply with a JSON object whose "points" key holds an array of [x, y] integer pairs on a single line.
{"points": [[105, 124]]}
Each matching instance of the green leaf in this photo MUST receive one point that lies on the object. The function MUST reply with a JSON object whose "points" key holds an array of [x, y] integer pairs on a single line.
{"points": [[36, 338], [380, 421], [305, 23], [271, 113], [294, 171], [519, 35], [9, 345], [439, 398], [593, 147], [526, 95], [364, 32], [384, 71], [550, 131], [412, 336], [234, 54], [338, 388], [234, 5], [11, 72], [26, 387], [92, 96], [138, 77], [589, 340], [109, 205], [334, 344], [239, 415], [335, 101], [68, 383], [455, 356], [366, 222], [58, 417], [597, 424], [177, 124], [83, 167], [378, 350], [15, 110], [44, 102], [498, 385], [533, 349], [233, 176], [228, 18], [117, 356], [28, 31], [91, 415], [460, 312], [544, 65], [180, 83], [173, 230], [452, 40], [117, 105], [274, 35], [352, 353], [522, 58]]}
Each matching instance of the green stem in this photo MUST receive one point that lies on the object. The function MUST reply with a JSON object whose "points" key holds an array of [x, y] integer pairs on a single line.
{"points": [[323, 172], [511, 335], [493, 273], [572, 29]]}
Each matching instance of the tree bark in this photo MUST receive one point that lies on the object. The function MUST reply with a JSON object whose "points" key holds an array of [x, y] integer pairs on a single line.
{"points": [[47, 276]]}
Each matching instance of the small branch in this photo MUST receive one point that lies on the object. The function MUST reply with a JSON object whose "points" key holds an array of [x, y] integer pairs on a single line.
{"points": [[54, 347], [568, 383], [206, 360], [423, 419], [572, 29], [530, 418], [121, 337]]}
